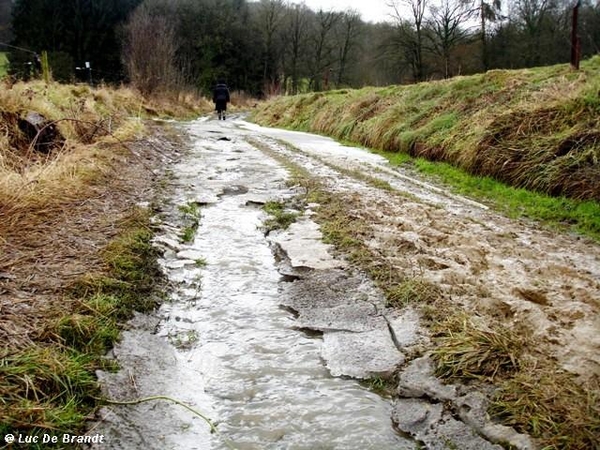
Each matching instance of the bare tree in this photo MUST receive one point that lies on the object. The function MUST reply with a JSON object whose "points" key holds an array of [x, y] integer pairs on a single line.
{"points": [[271, 14], [296, 37], [448, 28], [149, 53], [488, 12], [324, 47], [350, 29], [412, 38], [532, 13]]}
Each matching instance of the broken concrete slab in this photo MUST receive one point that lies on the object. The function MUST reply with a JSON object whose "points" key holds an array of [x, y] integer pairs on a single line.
{"points": [[472, 410], [168, 242], [355, 318], [404, 326], [324, 289], [362, 355], [437, 429], [190, 254], [179, 263], [418, 380], [206, 199], [416, 416], [302, 243]]}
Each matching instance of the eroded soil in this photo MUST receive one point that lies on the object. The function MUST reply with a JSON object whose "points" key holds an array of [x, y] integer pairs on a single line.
{"points": [[225, 345], [545, 283]]}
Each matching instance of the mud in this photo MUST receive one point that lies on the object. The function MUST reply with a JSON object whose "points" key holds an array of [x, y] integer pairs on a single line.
{"points": [[224, 344], [268, 338], [509, 269]]}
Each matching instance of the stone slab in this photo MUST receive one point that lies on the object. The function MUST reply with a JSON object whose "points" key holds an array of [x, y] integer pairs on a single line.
{"points": [[361, 355], [302, 244]]}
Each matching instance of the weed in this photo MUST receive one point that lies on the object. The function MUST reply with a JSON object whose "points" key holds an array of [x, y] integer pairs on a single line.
{"points": [[200, 262], [466, 350], [188, 233], [382, 386], [184, 340], [191, 210], [281, 218], [415, 291], [191, 216]]}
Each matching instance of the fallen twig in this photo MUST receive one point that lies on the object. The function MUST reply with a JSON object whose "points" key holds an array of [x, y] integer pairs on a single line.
{"points": [[138, 401]]}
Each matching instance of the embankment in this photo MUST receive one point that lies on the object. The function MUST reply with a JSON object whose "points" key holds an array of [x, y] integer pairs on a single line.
{"points": [[537, 129], [75, 253]]}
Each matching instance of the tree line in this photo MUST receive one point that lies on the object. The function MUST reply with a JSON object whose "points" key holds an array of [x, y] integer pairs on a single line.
{"points": [[275, 46]]}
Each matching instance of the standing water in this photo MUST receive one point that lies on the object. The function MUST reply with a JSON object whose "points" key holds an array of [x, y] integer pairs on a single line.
{"points": [[223, 344]]}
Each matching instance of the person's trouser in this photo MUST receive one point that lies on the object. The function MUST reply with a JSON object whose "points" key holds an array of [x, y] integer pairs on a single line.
{"points": [[221, 107]]}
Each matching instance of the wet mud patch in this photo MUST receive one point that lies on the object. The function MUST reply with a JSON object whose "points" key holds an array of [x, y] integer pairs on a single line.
{"points": [[483, 266]]}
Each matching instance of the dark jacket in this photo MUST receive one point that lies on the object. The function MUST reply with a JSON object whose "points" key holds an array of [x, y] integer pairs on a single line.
{"points": [[221, 94]]}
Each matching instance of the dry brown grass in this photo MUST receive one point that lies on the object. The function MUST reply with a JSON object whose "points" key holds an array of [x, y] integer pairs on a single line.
{"points": [[57, 212], [563, 413]]}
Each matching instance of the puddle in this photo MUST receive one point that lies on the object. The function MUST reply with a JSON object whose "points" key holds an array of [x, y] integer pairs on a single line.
{"points": [[224, 344]]}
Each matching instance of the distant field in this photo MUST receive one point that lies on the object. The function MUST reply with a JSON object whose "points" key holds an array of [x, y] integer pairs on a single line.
{"points": [[3, 64]]}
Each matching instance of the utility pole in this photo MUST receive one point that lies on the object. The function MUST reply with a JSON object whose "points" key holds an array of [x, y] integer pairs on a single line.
{"points": [[575, 41], [88, 66]]}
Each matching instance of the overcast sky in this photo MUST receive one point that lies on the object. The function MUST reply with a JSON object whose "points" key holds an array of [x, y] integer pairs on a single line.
{"points": [[370, 10]]}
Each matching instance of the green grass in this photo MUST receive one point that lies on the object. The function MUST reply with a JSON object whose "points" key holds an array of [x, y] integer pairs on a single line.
{"points": [[200, 262], [3, 65], [558, 212], [52, 385], [537, 129], [191, 216], [413, 291], [46, 388], [280, 218]]}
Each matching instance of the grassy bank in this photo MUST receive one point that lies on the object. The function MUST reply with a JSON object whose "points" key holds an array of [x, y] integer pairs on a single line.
{"points": [[75, 253], [48, 385], [537, 129]]}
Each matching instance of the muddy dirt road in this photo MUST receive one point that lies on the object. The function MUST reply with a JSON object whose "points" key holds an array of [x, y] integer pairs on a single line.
{"points": [[268, 333]]}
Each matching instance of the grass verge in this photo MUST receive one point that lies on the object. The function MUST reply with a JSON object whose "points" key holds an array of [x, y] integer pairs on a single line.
{"points": [[561, 213], [49, 385], [516, 127], [75, 253]]}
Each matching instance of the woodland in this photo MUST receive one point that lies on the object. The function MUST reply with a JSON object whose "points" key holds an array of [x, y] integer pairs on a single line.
{"points": [[275, 46]]}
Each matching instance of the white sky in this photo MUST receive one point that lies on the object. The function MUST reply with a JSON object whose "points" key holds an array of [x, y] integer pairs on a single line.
{"points": [[370, 10]]}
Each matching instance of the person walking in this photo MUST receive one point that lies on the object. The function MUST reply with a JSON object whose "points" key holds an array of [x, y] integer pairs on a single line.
{"points": [[221, 98]]}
